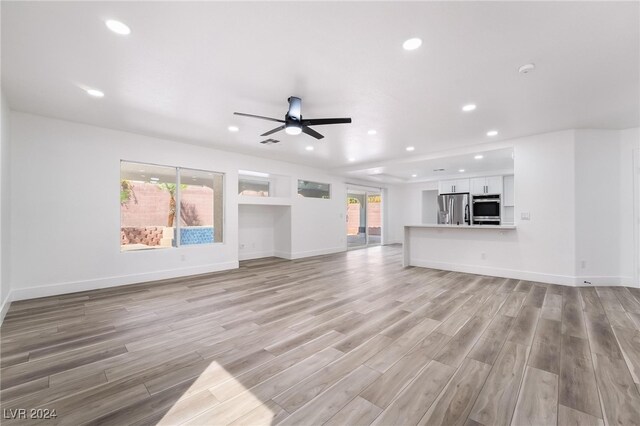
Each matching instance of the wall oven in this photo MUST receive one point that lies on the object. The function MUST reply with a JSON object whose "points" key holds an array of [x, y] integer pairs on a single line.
{"points": [[485, 209]]}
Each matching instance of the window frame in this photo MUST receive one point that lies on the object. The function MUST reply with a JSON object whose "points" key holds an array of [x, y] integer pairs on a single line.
{"points": [[178, 169], [256, 179], [330, 190]]}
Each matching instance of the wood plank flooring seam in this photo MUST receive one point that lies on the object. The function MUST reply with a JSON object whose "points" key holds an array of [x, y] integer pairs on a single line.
{"points": [[602, 408]]}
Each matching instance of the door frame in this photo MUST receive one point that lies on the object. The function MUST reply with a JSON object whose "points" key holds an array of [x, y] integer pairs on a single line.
{"points": [[636, 215], [366, 191]]}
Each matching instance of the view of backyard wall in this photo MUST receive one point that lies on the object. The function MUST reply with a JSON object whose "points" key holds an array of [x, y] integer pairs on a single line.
{"points": [[145, 215]]}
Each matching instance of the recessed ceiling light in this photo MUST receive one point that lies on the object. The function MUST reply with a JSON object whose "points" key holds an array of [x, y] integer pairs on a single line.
{"points": [[526, 68], [117, 27], [412, 44], [233, 128], [309, 148], [492, 133], [469, 107], [372, 132], [479, 157], [461, 170], [351, 160], [410, 148], [414, 175], [95, 93]]}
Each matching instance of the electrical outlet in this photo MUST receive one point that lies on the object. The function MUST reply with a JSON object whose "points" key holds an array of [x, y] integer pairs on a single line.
{"points": [[483, 256], [583, 264], [183, 257], [241, 246], [525, 216]]}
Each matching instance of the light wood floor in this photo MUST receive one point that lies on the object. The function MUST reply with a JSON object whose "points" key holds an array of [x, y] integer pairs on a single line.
{"points": [[351, 338]]}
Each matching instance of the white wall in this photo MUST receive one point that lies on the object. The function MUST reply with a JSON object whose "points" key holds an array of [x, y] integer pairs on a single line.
{"points": [[430, 206], [629, 228], [263, 231], [66, 208], [5, 203], [406, 206], [578, 189], [542, 248], [544, 180], [598, 205], [66, 214], [282, 232], [256, 225]]}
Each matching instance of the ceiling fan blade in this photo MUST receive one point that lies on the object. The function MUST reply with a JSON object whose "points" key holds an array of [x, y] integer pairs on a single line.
{"points": [[321, 121], [295, 107], [258, 116], [272, 131], [309, 131]]}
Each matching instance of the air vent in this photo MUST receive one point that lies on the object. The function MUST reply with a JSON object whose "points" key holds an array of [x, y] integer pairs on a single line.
{"points": [[269, 141], [438, 170]]}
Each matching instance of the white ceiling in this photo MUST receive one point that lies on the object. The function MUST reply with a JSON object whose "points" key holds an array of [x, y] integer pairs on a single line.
{"points": [[187, 66], [420, 170]]}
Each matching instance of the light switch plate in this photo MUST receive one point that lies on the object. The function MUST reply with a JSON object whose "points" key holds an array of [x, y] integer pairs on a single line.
{"points": [[525, 216]]}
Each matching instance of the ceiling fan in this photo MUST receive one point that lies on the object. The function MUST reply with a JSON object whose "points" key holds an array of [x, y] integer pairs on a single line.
{"points": [[294, 124]]}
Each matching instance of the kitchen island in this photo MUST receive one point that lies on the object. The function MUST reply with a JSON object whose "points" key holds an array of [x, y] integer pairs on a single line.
{"points": [[463, 248]]}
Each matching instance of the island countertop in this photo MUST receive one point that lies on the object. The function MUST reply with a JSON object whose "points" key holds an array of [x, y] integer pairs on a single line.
{"points": [[418, 252], [439, 225]]}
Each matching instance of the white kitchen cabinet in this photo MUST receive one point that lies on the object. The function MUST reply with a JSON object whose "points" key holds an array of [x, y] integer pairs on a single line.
{"points": [[508, 197], [494, 185], [453, 185], [478, 186], [486, 185]]}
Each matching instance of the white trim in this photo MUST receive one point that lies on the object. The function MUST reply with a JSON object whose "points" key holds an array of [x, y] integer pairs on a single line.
{"points": [[605, 281], [522, 275], [310, 253], [636, 217], [99, 283], [5, 306]]}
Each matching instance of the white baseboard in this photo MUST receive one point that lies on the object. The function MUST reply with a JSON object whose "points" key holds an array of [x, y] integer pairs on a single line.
{"points": [[85, 285], [498, 272], [605, 281], [6, 304], [310, 253]]}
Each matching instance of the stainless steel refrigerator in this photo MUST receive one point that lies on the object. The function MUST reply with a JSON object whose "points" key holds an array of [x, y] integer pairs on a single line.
{"points": [[453, 209]]}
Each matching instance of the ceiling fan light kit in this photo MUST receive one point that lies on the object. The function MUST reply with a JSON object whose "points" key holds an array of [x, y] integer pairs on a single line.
{"points": [[294, 124]]}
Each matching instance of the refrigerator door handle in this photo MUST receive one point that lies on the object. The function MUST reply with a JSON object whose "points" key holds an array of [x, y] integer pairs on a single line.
{"points": [[466, 214], [451, 215]]}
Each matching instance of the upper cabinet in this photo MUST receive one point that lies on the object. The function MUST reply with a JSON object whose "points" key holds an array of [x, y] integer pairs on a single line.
{"points": [[486, 185], [453, 186]]}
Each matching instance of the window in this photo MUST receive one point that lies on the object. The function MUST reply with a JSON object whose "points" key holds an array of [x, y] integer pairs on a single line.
{"points": [[253, 187], [156, 212], [200, 206], [314, 189]]}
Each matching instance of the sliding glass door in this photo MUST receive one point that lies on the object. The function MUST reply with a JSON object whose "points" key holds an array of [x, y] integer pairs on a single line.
{"points": [[364, 218]]}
